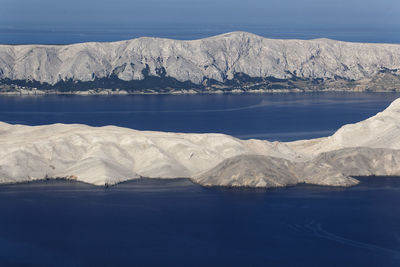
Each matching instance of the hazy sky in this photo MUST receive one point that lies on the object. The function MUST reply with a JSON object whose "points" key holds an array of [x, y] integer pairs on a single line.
{"points": [[325, 12], [118, 14]]}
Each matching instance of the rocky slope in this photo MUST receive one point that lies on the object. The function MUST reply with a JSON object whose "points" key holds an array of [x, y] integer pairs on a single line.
{"points": [[236, 61], [334, 168], [108, 155], [379, 131]]}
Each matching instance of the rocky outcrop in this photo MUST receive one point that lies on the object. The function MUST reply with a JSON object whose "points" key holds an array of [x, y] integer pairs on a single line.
{"points": [[232, 62]]}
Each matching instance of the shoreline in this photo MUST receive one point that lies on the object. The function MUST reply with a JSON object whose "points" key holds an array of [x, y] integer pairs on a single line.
{"points": [[109, 92], [360, 179]]}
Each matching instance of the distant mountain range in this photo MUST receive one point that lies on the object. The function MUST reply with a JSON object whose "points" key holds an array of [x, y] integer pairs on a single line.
{"points": [[232, 62]]}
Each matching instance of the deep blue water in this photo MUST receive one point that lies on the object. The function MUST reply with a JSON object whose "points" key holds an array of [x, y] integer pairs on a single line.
{"points": [[176, 223], [56, 34], [265, 116]]}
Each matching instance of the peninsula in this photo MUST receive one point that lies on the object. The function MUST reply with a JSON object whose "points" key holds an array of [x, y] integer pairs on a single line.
{"points": [[109, 155]]}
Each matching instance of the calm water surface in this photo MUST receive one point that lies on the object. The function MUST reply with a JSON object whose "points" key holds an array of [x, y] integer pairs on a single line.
{"points": [[56, 34], [265, 116], [176, 223]]}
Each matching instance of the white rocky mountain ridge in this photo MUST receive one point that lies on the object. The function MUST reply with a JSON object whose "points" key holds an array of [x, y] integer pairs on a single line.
{"points": [[109, 155], [312, 64]]}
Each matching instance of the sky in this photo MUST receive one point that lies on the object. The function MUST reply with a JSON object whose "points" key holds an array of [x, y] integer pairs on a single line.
{"points": [[106, 20]]}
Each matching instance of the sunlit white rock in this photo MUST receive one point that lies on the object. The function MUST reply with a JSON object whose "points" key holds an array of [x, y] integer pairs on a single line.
{"points": [[109, 155], [218, 58]]}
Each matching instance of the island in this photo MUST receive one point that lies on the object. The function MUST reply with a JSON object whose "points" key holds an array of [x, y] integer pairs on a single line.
{"points": [[109, 155], [236, 62]]}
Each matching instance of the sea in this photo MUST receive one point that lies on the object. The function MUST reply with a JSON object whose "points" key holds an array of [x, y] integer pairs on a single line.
{"points": [[178, 223], [83, 32], [274, 117]]}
